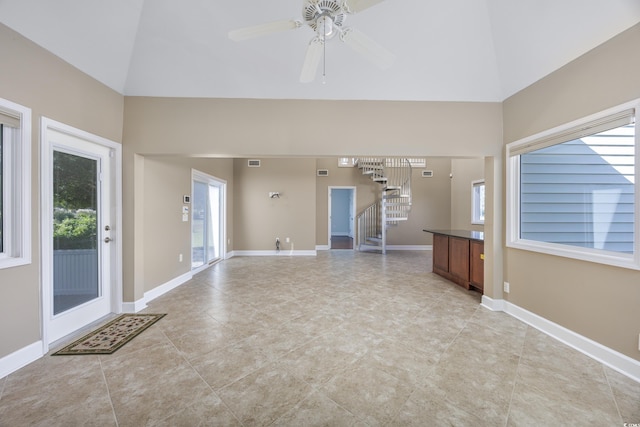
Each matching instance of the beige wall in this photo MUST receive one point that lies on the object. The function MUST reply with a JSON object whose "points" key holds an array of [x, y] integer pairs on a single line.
{"points": [[260, 219], [36, 79], [464, 172], [594, 300], [283, 128], [166, 236]]}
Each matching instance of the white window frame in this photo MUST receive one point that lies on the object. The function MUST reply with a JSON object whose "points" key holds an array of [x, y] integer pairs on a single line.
{"points": [[17, 188], [513, 240], [346, 162], [475, 202]]}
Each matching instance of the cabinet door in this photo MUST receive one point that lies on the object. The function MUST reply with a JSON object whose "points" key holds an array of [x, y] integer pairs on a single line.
{"points": [[477, 264], [440, 253], [459, 259]]}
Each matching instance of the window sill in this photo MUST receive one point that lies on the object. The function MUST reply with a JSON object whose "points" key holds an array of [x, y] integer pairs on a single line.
{"points": [[7, 262], [583, 254]]}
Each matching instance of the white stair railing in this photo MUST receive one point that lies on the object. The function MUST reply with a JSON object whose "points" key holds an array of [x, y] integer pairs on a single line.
{"points": [[394, 174]]}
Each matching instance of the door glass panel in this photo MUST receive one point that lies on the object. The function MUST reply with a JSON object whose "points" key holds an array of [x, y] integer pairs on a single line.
{"points": [[213, 235], [75, 231], [198, 224]]}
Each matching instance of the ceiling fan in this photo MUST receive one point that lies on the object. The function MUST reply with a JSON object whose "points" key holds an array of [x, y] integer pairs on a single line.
{"points": [[326, 18]]}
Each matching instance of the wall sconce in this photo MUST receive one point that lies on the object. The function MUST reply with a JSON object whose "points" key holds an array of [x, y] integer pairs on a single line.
{"points": [[274, 194]]}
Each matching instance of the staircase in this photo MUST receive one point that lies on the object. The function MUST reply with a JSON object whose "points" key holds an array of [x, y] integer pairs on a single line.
{"points": [[394, 176]]}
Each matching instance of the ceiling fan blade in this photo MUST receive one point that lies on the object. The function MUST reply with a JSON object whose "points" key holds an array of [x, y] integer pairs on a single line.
{"points": [[367, 48], [353, 6], [263, 29], [311, 60]]}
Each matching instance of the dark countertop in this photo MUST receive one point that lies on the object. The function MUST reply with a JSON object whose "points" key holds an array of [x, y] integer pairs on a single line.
{"points": [[465, 234]]}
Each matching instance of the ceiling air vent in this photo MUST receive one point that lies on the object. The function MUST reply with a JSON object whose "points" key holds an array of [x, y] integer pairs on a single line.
{"points": [[427, 174], [254, 163], [323, 172]]}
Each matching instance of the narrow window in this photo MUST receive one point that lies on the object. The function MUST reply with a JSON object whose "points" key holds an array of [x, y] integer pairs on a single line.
{"points": [[15, 188], [477, 202]]}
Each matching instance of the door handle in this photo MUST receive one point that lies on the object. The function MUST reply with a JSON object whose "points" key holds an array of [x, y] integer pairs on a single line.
{"points": [[107, 239]]}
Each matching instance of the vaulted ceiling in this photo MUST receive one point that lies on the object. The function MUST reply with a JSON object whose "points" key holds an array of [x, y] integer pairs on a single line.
{"points": [[446, 50]]}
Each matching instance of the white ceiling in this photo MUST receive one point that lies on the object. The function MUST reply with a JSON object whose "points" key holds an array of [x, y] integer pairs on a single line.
{"points": [[446, 50]]}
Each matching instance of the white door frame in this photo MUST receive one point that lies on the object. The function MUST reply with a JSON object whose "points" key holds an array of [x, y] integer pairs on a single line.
{"points": [[46, 239], [199, 176], [353, 211]]}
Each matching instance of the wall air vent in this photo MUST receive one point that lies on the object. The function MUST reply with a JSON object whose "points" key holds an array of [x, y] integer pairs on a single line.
{"points": [[323, 172], [254, 163], [427, 174]]}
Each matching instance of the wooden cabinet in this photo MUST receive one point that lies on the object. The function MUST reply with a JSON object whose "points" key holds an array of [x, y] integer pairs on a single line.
{"points": [[476, 264], [459, 259], [459, 256], [440, 252]]}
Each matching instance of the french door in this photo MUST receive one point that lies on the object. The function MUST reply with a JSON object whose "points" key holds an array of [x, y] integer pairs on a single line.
{"points": [[78, 221], [207, 220]]}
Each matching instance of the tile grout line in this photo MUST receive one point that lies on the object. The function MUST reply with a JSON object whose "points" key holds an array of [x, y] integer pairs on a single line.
{"points": [[203, 380], [515, 379], [613, 395], [106, 384]]}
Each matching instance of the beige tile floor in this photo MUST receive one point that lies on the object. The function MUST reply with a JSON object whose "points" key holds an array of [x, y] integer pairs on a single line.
{"points": [[341, 339]]}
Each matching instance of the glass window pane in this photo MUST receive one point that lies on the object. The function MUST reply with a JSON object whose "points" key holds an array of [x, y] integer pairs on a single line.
{"points": [[581, 192], [75, 231], [478, 202], [2, 183], [198, 224]]}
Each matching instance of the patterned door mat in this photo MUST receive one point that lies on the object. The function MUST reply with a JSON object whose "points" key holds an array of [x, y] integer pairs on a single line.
{"points": [[110, 337]]}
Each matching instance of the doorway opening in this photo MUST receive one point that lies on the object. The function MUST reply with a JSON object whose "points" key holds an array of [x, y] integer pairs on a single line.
{"points": [[342, 213], [208, 220]]}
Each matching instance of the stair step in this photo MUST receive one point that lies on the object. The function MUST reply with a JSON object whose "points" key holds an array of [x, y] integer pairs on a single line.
{"points": [[397, 203], [404, 218]]}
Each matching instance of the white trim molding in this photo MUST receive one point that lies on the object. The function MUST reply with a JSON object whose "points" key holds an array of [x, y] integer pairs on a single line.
{"points": [[163, 289], [275, 253], [134, 307], [605, 355], [323, 247], [409, 247], [141, 304], [20, 358]]}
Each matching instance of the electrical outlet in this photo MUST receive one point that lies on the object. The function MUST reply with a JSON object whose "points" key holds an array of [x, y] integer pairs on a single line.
{"points": [[638, 342], [506, 287], [287, 240], [180, 258]]}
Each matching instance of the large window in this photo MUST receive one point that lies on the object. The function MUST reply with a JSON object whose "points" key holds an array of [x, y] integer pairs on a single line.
{"points": [[15, 188], [572, 191]]}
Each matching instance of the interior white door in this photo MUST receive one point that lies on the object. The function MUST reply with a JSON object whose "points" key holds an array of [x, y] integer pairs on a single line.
{"points": [[79, 233]]}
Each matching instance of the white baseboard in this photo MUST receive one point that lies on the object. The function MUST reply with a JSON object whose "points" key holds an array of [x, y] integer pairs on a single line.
{"points": [[274, 253], [492, 304], [322, 247], [141, 304], [409, 247], [230, 255], [134, 307], [20, 358], [163, 289], [605, 355]]}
